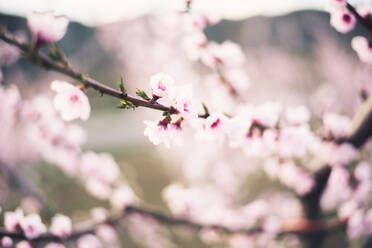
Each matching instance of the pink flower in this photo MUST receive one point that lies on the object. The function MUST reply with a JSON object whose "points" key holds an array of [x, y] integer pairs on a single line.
{"points": [[363, 47], [363, 171], [183, 102], [6, 242], [161, 84], [61, 226], [55, 245], [32, 226], [47, 28], [212, 128], [297, 115], [12, 220], [107, 234], [163, 132], [194, 45], [89, 241], [123, 197], [337, 125], [296, 178], [267, 114], [337, 4], [24, 244], [227, 54], [342, 20], [70, 101]]}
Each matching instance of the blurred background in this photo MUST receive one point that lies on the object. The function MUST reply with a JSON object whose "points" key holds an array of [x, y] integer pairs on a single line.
{"points": [[292, 54]]}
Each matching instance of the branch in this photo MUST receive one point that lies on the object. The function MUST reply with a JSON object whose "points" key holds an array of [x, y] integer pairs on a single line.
{"points": [[366, 24], [299, 227], [42, 60]]}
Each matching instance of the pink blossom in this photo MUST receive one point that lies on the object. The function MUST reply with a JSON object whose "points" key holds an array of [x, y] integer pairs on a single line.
{"points": [[32, 226], [342, 20], [122, 197], [363, 48], [238, 79], [61, 226], [337, 4], [99, 166], [267, 114], [347, 209], [47, 28], [6, 242], [212, 128], [23, 244], [363, 171], [70, 101], [228, 54], [356, 225], [55, 245], [296, 178], [297, 115], [89, 241], [294, 141], [365, 11], [107, 234], [163, 132], [12, 220], [194, 45], [183, 102], [161, 84], [337, 125]]}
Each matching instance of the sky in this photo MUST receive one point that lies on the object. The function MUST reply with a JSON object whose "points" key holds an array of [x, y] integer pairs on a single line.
{"points": [[95, 12]]}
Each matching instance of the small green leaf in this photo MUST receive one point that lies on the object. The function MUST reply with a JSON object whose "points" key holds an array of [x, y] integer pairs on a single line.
{"points": [[122, 87], [142, 94], [56, 53], [124, 104]]}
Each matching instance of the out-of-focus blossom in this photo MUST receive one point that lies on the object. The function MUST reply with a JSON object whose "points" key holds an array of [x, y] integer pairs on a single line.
{"points": [[194, 45], [89, 241], [55, 245], [337, 4], [342, 20], [337, 125], [107, 234], [32, 226], [61, 226], [122, 197], [365, 11], [338, 181], [210, 236], [161, 84], [24, 244], [101, 166], [295, 141], [267, 114], [12, 220], [6, 242], [71, 102], [297, 115], [47, 28], [238, 79], [227, 54], [347, 209], [363, 171], [296, 178], [99, 172], [362, 46], [212, 128]]}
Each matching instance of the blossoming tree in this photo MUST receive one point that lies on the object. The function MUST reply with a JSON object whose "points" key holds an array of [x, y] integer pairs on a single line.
{"points": [[323, 170]]}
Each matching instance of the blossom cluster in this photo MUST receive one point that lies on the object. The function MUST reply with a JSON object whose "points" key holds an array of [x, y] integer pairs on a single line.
{"points": [[344, 21]]}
